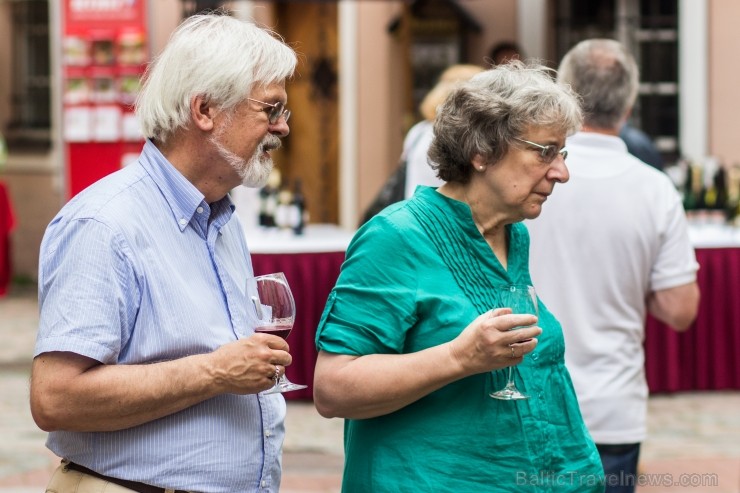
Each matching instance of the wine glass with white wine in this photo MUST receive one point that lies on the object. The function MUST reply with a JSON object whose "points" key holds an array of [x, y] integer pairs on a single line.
{"points": [[522, 299]]}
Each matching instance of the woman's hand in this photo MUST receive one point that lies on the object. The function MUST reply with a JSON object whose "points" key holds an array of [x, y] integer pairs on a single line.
{"points": [[489, 343], [359, 387]]}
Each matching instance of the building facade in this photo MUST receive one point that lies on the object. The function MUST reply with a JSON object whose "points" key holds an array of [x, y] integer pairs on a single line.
{"points": [[363, 65]]}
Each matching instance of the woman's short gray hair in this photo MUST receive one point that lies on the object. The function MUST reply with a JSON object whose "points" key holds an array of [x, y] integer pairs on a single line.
{"points": [[485, 115], [213, 55]]}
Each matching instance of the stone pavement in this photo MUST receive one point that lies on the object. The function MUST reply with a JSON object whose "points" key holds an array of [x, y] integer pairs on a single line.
{"points": [[694, 443], [312, 455]]}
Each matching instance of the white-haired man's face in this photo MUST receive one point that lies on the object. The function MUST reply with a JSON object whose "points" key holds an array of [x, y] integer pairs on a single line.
{"points": [[245, 138]]}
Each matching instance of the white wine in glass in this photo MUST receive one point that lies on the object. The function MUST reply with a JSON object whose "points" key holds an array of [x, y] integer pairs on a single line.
{"points": [[273, 303], [522, 299]]}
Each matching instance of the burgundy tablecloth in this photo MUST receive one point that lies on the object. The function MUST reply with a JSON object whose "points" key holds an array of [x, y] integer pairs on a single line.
{"points": [[7, 223], [311, 277], [706, 356], [703, 358]]}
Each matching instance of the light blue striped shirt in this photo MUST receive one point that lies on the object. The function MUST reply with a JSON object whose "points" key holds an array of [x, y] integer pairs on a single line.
{"points": [[131, 272]]}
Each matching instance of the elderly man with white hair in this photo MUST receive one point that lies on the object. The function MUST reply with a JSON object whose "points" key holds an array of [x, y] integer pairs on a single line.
{"points": [[147, 371]]}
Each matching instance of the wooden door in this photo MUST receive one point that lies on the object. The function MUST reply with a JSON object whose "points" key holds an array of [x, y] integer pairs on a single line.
{"points": [[311, 151]]}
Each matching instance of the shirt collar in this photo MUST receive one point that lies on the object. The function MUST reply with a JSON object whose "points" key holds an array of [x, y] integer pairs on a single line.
{"points": [[181, 195], [593, 139]]}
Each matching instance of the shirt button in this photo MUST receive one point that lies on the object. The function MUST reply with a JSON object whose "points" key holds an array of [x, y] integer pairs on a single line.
{"points": [[200, 210], [268, 434], [183, 222], [535, 356], [263, 483]]}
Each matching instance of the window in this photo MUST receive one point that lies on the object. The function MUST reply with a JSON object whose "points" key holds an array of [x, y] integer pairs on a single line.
{"points": [[30, 121], [656, 49], [192, 7], [649, 29]]}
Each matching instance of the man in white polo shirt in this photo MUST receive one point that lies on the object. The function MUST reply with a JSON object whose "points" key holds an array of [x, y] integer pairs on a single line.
{"points": [[609, 247]]}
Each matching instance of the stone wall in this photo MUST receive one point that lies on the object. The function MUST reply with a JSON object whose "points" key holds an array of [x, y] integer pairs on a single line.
{"points": [[36, 198]]}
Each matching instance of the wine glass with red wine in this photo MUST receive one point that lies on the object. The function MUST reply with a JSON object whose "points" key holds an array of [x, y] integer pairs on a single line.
{"points": [[274, 307]]}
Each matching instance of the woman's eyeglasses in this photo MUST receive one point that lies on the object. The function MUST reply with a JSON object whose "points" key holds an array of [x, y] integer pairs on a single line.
{"points": [[547, 153], [274, 111]]}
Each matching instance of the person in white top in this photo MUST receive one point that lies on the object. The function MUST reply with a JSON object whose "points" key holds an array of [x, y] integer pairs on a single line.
{"points": [[415, 148], [419, 137], [608, 248]]}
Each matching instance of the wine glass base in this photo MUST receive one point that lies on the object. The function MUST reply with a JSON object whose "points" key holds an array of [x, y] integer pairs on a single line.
{"points": [[508, 395], [285, 387]]}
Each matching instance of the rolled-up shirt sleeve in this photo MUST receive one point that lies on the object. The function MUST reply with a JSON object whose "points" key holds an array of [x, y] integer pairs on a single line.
{"points": [[372, 305], [675, 264]]}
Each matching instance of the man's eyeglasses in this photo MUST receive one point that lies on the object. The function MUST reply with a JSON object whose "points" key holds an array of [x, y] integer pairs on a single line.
{"points": [[547, 153], [274, 111]]}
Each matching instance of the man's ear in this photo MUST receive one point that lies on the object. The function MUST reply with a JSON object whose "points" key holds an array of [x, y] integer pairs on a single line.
{"points": [[202, 113]]}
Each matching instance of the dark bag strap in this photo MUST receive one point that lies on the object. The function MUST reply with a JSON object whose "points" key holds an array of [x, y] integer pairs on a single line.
{"points": [[394, 188], [392, 192]]}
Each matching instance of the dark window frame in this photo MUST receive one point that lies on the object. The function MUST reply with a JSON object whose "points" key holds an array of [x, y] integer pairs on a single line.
{"points": [[30, 121], [648, 28]]}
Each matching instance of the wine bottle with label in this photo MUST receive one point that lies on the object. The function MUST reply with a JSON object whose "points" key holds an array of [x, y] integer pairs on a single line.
{"points": [[264, 194], [298, 212], [283, 213], [689, 194], [733, 194]]}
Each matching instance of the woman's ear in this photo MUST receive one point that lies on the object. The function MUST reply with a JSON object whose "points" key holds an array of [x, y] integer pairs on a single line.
{"points": [[479, 164], [202, 113]]}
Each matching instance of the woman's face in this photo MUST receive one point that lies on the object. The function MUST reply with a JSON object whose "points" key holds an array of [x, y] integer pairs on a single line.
{"points": [[521, 182]]}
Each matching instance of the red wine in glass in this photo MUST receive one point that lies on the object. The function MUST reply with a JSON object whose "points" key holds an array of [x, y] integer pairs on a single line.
{"points": [[274, 309], [278, 330]]}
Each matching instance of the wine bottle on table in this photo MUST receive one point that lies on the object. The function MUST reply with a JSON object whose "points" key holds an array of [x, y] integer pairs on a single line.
{"points": [[298, 210], [264, 194], [282, 212], [720, 184], [689, 196], [733, 194]]}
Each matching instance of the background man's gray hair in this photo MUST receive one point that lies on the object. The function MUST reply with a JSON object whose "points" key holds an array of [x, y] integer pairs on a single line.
{"points": [[605, 76]]}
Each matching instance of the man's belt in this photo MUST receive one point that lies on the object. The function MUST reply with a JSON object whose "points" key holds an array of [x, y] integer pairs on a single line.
{"points": [[132, 485]]}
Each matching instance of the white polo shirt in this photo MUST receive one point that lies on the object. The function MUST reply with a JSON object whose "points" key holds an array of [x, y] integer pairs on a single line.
{"points": [[606, 239]]}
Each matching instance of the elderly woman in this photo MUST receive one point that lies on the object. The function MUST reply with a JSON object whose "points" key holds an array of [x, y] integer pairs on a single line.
{"points": [[410, 345]]}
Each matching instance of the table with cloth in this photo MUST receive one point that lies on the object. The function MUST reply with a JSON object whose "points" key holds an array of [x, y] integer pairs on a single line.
{"points": [[701, 358], [311, 263], [7, 223]]}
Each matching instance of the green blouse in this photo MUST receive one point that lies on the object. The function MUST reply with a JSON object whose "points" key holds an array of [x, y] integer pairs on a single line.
{"points": [[400, 292]]}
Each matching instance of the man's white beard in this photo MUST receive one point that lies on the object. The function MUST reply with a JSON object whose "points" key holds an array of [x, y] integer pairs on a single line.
{"points": [[255, 172]]}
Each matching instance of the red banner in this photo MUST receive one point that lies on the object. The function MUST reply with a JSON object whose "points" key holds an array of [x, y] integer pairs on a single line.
{"points": [[105, 49], [83, 13]]}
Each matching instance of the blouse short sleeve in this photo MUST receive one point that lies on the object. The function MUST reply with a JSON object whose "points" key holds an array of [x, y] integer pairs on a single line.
{"points": [[372, 304]]}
